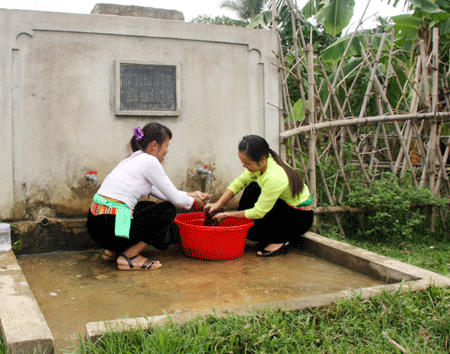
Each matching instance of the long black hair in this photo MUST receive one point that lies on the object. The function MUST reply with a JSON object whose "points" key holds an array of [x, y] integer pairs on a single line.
{"points": [[152, 132], [255, 147]]}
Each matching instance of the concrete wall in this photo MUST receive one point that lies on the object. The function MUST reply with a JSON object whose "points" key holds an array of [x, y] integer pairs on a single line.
{"points": [[57, 92], [137, 11]]}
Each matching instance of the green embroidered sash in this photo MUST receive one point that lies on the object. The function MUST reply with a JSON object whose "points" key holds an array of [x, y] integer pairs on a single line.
{"points": [[307, 202], [123, 215]]}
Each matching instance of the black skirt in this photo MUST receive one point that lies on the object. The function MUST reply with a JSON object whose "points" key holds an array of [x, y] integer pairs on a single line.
{"points": [[281, 224], [152, 223]]}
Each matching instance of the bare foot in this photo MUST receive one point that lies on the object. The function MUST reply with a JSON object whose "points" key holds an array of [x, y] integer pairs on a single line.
{"points": [[109, 255]]}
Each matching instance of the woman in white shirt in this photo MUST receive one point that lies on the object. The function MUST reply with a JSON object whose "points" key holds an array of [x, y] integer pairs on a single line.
{"points": [[122, 224]]}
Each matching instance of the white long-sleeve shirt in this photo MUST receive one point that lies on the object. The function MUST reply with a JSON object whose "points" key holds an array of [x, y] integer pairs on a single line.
{"points": [[141, 175]]}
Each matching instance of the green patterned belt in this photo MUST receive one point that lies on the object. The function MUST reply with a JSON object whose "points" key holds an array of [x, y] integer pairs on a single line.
{"points": [[307, 202], [123, 215]]}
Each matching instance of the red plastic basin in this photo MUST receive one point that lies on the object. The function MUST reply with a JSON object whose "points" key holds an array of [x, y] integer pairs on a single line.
{"points": [[223, 242]]}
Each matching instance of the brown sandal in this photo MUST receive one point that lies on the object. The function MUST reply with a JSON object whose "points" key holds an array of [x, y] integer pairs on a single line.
{"points": [[148, 264]]}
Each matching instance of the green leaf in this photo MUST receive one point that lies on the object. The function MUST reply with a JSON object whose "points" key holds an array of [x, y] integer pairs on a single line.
{"points": [[395, 2], [336, 15], [310, 9], [406, 25], [443, 4], [425, 6], [444, 27], [299, 111], [346, 70], [263, 18], [446, 128], [335, 51], [407, 20]]}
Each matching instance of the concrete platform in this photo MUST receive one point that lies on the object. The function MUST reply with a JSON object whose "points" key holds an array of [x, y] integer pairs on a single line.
{"points": [[24, 328], [393, 274], [79, 292]]}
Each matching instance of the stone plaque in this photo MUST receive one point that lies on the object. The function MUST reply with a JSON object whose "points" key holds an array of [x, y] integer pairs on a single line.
{"points": [[146, 89]]}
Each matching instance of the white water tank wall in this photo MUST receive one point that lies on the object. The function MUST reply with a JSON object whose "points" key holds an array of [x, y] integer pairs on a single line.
{"points": [[57, 103]]}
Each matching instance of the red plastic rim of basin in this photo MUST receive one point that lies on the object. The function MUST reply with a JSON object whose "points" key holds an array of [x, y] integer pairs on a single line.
{"points": [[223, 242]]}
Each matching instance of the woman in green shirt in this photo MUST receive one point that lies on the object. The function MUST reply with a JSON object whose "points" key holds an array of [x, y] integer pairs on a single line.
{"points": [[274, 196]]}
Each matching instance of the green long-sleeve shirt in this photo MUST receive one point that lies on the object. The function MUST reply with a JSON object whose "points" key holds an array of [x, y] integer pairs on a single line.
{"points": [[274, 185]]}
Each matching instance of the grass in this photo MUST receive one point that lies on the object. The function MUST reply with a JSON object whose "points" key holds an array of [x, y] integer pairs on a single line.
{"points": [[419, 322], [427, 252], [434, 256], [416, 322], [2, 346]]}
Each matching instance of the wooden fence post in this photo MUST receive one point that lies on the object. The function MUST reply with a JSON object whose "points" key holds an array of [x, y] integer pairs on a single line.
{"points": [[312, 136]]}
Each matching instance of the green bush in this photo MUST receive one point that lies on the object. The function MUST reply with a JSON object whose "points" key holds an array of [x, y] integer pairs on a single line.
{"points": [[394, 209]]}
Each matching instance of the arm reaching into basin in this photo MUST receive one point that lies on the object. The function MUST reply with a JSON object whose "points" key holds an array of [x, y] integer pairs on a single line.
{"points": [[274, 196], [199, 200], [202, 196], [226, 196], [120, 222]]}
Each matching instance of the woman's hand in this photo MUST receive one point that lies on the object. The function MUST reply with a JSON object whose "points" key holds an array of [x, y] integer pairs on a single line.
{"points": [[198, 204], [212, 207], [230, 214], [200, 195], [203, 196], [220, 216], [226, 196]]}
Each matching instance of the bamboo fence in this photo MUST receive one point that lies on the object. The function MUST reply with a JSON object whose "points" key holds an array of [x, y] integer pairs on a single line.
{"points": [[339, 140]]}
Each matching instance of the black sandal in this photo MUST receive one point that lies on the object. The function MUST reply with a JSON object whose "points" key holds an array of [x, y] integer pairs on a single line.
{"points": [[283, 249], [146, 266]]}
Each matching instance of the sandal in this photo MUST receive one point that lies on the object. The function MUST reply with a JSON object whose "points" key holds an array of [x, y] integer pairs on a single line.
{"points": [[283, 249], [148, 264]]}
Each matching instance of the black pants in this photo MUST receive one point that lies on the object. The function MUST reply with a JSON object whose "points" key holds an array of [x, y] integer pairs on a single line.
{"points": [[152, 223], [281, 224]]}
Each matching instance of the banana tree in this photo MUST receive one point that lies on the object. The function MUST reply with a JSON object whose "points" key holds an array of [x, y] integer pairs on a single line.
{"points": [[334, 15], [417, 27], [427, 14], [246, 10]]}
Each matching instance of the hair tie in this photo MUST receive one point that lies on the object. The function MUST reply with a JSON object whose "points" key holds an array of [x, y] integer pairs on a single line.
{"points": [[138, 133]]}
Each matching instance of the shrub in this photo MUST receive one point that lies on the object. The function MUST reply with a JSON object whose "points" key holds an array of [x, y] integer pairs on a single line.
{"points": [[394, 209]]}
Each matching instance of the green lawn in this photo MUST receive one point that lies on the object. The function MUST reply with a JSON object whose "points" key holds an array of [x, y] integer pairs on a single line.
{"points": [[416, 322], [428, 253], [413, 322]]}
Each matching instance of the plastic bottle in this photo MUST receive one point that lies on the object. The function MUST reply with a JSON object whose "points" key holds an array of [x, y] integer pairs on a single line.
{"points": [[5, 237]]}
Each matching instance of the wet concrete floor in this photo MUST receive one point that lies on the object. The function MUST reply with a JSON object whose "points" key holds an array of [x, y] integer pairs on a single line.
{"points": [[75, 288]]}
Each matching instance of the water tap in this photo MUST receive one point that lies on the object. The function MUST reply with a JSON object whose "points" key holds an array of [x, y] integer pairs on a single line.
{"points": [[208, 173], [91, 176], [205, 171]]}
